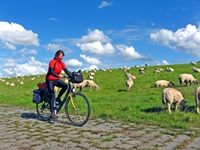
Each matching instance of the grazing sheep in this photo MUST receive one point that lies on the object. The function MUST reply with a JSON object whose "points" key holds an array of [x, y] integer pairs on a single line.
{"points": [[91, 84], [141, 72], [195, 69], [130, 75], [172, 96], [187, 78], [129, 83], [169, 69], [12, 84], [21, 82], [197, 98], [193, 63], [80, 85], [156, 71], [163, 83]]}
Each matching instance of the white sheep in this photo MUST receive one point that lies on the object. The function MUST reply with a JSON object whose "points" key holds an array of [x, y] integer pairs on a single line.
{"points": [[169, 69], [130, 75], [193, 63], [91, 84], [187, 78], [163, 83], [172, 96], [129, 83], [12, 84], [197, 98], [195, 69], [80, 85]]}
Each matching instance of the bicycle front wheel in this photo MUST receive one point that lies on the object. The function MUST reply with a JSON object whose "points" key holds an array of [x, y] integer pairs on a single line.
{"points": [[77, 109], [43, 110]]}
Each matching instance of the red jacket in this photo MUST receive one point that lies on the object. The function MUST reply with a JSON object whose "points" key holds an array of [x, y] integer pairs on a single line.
{"points": [[57, 66]]}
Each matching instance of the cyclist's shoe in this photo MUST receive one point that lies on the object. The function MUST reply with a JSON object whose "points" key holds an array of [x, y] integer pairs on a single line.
{"points": [[54, 116]]}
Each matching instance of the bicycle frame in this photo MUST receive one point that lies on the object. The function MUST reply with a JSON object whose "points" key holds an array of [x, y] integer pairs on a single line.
{"points": [[68, 94]]}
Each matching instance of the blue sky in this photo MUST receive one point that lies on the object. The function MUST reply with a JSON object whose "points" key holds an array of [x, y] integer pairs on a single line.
{"points": [[95, 33]]}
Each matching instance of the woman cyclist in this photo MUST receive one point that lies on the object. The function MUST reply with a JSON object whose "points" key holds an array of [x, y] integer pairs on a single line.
{"points": [[56, 65]]}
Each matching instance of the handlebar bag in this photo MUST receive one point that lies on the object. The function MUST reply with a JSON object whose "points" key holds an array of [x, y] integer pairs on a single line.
{"points": [[77, 77]]}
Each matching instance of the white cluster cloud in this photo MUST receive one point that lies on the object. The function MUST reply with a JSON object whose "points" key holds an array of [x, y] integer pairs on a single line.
{"points": [[97, 48], [184, 39], [95, 35], [74, 63], [90, 60], [12, 34], [128, 53], [32, 67], [96, 42]]}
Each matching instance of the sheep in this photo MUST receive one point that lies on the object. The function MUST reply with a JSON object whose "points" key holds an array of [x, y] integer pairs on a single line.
{"points": [[130, 75], [163, 83], [187, 78], [197, 98], [129, 83], [91, 84], [156, 71], [193, 63], [21, 82], [172, 96], [169, 69], [12, 84], [195, 69], [80, 85]]}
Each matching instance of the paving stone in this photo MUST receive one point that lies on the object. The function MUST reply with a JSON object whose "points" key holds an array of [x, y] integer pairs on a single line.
{"points": [[21, 129]]}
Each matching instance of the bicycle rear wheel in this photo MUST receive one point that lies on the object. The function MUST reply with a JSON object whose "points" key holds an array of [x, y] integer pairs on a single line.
{"points": [[43, 110], [77, 109]]}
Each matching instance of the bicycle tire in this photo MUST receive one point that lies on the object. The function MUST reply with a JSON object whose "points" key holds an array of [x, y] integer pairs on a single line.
{"points": [[44, 110], [80, 115]]}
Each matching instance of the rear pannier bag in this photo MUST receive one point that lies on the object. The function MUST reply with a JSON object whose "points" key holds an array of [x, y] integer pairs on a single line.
{"points": [[77, 77], [37, 96]]}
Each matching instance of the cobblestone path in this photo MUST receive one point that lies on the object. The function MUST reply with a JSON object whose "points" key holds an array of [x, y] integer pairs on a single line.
{"points": [[21, 130]]}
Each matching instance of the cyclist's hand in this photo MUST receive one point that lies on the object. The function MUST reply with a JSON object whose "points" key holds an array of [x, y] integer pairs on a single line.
{"points": [[61, 76]]}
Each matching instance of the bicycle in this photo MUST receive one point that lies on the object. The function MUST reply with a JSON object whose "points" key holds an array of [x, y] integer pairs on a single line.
{"points": [[77, 107]]}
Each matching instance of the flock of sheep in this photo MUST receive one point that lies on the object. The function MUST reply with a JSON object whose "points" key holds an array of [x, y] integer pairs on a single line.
{"points": [[169, 94]]}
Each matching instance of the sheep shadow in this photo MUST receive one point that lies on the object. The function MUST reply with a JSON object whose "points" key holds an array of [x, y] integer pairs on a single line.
{"points": [[152, 110], [122, 90], [186, 109]]}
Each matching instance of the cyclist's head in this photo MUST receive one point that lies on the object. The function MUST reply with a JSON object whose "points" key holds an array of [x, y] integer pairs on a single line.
{"points": [[59, 54]]}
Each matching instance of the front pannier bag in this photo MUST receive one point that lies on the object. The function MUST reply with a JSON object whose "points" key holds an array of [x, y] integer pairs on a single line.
{"points": [[77, 77]]}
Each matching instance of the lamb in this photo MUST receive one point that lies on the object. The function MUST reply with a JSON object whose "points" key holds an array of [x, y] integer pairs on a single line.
{"points": [[163, 83], [197, 98], [172, 96], [187, 78], [129, 83]]}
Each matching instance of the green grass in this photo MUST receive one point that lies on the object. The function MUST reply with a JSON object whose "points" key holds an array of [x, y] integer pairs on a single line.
{"points": [[141, 105]]}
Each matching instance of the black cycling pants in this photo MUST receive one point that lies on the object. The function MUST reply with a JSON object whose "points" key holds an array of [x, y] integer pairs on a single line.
{"points": [[59, 83]]}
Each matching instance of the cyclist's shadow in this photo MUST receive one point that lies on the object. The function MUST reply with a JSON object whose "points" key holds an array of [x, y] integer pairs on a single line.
{"points": [[30, 115]]}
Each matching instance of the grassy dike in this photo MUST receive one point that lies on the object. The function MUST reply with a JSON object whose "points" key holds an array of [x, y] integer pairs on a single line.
{"points": [[141, 105]]}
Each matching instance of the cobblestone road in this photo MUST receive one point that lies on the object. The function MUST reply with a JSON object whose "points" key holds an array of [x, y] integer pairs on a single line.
{"points": [[21, 130]]}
